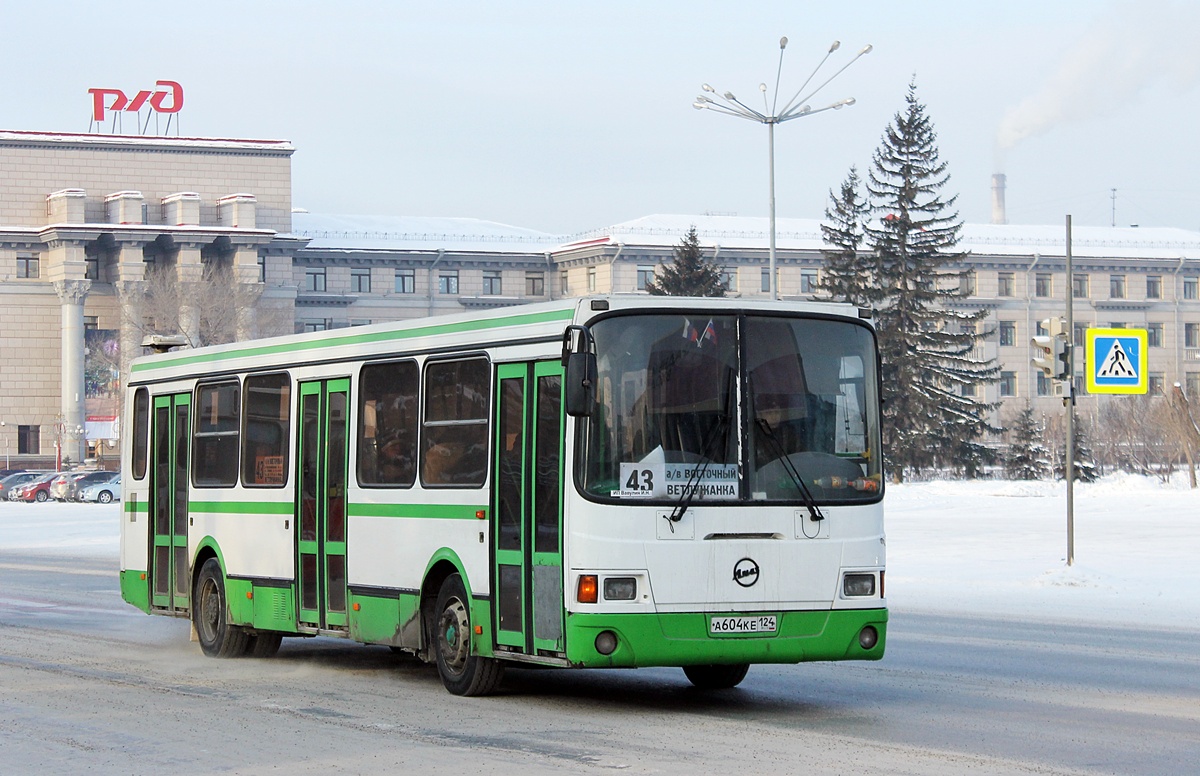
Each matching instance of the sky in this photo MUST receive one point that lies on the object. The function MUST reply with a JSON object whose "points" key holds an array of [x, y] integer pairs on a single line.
{"points": [[1004, 556], [569, 117]]}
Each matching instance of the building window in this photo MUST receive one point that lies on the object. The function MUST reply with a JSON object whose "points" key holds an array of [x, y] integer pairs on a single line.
{"points": [[729, 279], [564, 281], [360, 281], [1080, 333], [645, 276], [28, 267], [491, 282], [406, 281], [1008, 383], [91, 323], [315, 324], [1004, 284], [1191, 288], [29, 440], [969, 389], [1008, 334], [808, 281], [766, 280], [1039, 329], [1043, 284], [1116, 324], [360, 322], [262, 268], [535, 284], [1043, 384], [448, 281], [1116, 286], [314, 279], [1156, 383], [1079, 286], [1154, 286], [93, 266], [1154, 335], [1192, 385], [1191, 335], [591, 280], [966, 283]]}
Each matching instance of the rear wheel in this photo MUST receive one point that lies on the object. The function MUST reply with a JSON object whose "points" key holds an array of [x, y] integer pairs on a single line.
{"points": [[42, 496], [716, 677], [462, 672], [263, 644], [210, 617], [104, 497]]}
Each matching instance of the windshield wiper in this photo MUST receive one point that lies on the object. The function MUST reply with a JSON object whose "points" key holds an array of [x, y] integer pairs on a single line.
{"points": [[814, 511]]}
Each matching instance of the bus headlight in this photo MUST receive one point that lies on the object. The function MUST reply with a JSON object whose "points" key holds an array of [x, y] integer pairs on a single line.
{"points": [[620, 589], [858, 585]]}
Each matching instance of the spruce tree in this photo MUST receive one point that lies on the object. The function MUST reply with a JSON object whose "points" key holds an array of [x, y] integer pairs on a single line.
{"points": [[690, 274], [849, 274], [1085, 466], [1027, 458], [930, 370]]}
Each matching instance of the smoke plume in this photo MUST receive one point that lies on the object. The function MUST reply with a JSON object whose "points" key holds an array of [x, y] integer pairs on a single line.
{"points": [[1135, 47]]}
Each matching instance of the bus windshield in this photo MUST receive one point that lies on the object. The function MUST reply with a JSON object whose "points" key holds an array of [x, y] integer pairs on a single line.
{"points": [[733, 408]]}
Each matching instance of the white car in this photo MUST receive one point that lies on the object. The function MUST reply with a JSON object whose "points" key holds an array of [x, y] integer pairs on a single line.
{"points": [[104, 492]]}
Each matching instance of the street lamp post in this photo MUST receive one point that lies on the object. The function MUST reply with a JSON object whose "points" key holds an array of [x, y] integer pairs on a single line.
{"points": [[794, 109]]}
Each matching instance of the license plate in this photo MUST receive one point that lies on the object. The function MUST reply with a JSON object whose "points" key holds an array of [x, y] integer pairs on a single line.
{"points": [[761, 623]]}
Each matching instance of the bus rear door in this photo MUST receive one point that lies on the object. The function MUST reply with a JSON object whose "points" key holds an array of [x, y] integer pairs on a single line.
{"points": [[171, 430]]}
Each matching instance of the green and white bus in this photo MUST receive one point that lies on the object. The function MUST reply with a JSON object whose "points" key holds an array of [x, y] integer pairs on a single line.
{"points": [[616, 481]]}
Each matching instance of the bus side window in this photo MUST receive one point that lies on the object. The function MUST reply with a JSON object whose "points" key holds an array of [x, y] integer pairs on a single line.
{"points": [[387, 424], [141, 428], [455, 430], [267, 418]]}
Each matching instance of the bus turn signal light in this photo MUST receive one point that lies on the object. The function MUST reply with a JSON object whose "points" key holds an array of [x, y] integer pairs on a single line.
{"points": [[588, 590]]}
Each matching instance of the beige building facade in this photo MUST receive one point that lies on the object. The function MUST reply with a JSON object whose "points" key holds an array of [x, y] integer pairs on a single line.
{"points": [[84, 217]]}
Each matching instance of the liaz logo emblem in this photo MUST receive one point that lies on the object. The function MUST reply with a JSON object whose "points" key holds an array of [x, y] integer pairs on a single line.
{"points": [[745, 572], [119, 102]]}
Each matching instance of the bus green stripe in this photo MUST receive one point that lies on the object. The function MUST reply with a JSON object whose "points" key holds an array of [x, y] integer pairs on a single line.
{"points": [[434, 511], [137, 507], [359, 339], [242, 507]]}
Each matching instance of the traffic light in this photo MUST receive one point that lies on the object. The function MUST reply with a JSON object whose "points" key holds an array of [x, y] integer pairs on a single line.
{"points": [[1052, 351]]}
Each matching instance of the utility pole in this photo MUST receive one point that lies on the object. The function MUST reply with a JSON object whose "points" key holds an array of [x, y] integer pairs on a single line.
{"points": [[1069, 396]]}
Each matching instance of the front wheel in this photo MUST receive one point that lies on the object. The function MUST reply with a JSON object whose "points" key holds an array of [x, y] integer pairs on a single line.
{"points": [[716, 677], [462, 672], [42, 497], [210, 617], [105, 497]]}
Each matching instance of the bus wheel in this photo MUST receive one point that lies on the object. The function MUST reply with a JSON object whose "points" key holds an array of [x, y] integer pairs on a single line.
{"points": [[263, 644], [716, 677], [462, 672], [217, 637]]}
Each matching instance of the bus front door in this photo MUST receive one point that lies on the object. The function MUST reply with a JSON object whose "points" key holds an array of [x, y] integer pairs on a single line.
{"points": [[170, 582], [526, 509], [321, 503]]}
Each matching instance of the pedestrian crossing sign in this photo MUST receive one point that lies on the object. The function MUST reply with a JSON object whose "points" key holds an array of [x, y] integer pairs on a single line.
{"points": [[1117, 361]]}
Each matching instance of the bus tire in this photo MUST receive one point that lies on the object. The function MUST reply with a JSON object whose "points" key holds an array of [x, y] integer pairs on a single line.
{"points": [[210, 616], [263, 644], [462, 672], [713, 677]]}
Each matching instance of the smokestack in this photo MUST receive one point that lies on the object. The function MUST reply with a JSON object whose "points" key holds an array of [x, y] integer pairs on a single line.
{"points": [[999, 214]]}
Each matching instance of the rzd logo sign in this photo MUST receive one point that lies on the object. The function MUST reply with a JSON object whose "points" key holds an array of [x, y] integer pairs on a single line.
{"points": [[167, 97]]}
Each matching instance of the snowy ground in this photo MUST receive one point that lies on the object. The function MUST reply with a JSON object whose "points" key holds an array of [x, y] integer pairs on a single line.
{"points": [[987, 547]]}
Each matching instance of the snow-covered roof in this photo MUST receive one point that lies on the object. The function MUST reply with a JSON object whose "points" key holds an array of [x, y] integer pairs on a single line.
{"points": [[87, 139], [804, 234], [358, 232]]}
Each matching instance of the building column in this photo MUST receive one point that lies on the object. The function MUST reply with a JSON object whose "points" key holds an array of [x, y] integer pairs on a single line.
{"points": [[190, 273], [249, 290], [72, 293], [130, 287]]}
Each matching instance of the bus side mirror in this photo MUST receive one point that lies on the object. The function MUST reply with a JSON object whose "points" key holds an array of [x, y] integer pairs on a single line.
{"points": [[581, 384]]}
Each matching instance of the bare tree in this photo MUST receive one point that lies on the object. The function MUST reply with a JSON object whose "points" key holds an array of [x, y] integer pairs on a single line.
{"points": [[1183, 430], [211, 311]]}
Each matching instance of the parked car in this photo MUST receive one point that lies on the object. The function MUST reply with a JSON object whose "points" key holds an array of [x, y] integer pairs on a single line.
{"points": [[13, 480], [5, 472], [90, 478], [37, 489], [105, 491], [60, 486]]}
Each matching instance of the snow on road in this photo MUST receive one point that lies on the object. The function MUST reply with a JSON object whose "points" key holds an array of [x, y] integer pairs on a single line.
{"points": [[989, 547]]}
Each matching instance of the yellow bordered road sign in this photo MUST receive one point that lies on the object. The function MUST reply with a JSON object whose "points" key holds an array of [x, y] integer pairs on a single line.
{"points": [[1117, 361]]}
